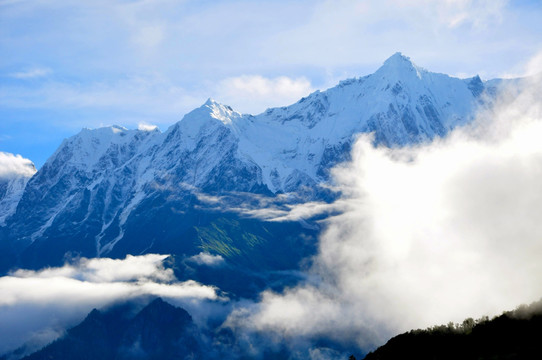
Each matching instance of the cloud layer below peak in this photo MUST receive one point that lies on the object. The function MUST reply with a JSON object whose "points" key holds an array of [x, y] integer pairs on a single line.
{"points": [[37, 306], [427, 235]]}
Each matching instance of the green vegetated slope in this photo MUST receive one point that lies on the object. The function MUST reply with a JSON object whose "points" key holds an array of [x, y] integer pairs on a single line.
{"points": [[513, 335], [257, 254], [256, 244]]}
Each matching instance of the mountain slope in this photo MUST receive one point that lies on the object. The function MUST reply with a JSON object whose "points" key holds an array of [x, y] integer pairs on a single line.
{"points": [[113, 191]]}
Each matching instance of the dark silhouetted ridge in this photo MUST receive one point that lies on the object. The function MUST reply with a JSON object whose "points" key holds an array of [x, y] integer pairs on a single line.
{"points": [[158, 331], [513, 335]]}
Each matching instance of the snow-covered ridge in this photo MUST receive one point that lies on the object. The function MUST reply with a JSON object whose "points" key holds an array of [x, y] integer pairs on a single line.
{"points": [[98, 179], [87, 147], [401, 102]]}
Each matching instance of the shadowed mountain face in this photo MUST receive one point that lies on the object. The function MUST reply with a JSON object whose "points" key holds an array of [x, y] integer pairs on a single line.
{"points": [[158, 331]]}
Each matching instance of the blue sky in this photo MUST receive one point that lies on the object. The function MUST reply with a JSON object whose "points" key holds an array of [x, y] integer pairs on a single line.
{"points": [[69, 64]]}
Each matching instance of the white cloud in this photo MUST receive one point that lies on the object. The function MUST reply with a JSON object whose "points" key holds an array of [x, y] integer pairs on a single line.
{"points": [[207, 259], [31, 73], [278, 208], [255, 93], [35, 303], [256, 85], [12, 165], [105, 270], [99, 280], [146, 127], [428, 235]]}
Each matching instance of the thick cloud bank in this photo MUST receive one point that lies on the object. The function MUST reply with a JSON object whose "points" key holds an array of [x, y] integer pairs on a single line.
{"points": [[36, 306], [428, 234]]}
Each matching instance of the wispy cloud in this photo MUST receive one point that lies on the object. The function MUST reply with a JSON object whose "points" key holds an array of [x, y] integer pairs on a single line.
{"points": [[278, 208], [147, 96], [474, 13], [254, 93], [154, 95], [31, 73]]}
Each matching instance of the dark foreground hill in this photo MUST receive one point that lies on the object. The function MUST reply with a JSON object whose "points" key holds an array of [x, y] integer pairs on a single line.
{"points": [[158, 331], [513, 335]]}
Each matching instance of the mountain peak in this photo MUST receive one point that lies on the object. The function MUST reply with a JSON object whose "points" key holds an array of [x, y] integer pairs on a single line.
{"points": [[214, 105], [211, 102], [400, 64], [211, 109], [398, 59]]}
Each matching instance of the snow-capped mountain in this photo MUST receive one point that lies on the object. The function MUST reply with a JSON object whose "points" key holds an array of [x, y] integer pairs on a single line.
{"points": [[112, 191], [401, 103]]}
